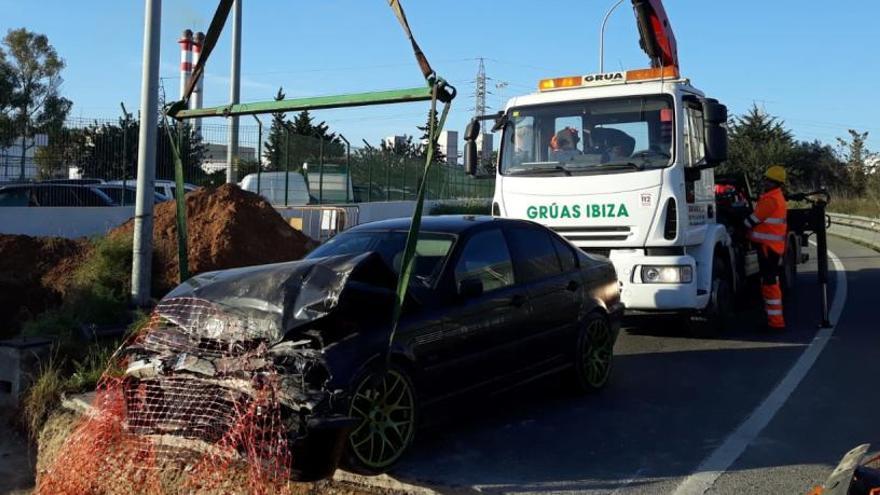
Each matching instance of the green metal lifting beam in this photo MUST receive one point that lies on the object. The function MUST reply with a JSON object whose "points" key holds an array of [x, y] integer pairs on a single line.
{"points": [[312, 103]]}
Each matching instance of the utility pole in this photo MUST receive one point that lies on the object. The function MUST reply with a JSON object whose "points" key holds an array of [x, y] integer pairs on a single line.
{"points": [[234, 90], [480, 90], [142, 249]]}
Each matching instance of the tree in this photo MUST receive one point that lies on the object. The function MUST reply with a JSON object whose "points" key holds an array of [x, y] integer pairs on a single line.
{"points": [[299, 141], [274, 145], [757, 140], [857, 158], [439, 156], [34, 71]]}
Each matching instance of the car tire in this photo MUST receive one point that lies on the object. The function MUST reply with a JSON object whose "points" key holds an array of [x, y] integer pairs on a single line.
{"points": [[594, 354], [385, 403], [713, 320]]}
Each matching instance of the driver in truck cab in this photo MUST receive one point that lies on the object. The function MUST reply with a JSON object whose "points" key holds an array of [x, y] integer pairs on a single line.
{"points": [[767, 229], [563, 145]]}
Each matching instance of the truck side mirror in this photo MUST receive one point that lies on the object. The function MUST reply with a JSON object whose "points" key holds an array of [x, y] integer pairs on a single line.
{"points": [[470, 147], [715, 119]]}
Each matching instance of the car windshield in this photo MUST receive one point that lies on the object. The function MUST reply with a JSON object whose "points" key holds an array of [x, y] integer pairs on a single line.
{"points": [[431, 250], [595, 136]]}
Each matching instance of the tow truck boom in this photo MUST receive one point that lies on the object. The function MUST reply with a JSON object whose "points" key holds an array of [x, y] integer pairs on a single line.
{"points": [[655, 31]]}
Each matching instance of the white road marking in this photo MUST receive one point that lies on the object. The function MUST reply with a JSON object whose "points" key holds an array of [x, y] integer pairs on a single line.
{"points": [[724, 456]]}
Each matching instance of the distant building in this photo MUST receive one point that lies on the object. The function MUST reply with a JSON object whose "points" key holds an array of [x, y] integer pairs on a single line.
{"points": [[448, 142], [10, 158], [215, 156], [394, 141], [485, 146]]}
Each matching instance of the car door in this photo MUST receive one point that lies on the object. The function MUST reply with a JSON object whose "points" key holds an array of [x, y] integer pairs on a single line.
{"points": [[478, 332], [554, 292]]}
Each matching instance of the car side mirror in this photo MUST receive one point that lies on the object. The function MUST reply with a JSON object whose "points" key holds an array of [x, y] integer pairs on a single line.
{"points": [[715, 119], [470, 288]]}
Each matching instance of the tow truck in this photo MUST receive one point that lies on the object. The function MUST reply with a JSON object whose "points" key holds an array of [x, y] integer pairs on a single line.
{"points": [[621, 164]]}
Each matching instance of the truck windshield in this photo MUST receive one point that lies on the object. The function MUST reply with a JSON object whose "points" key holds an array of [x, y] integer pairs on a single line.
{"points": [[588, 137]]}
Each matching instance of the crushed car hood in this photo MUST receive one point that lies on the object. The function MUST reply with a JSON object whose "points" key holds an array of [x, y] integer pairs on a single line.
{"points": [[270, 301]]}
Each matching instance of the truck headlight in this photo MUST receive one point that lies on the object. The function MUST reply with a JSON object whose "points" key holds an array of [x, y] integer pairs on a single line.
{"points": [[667, 274]]}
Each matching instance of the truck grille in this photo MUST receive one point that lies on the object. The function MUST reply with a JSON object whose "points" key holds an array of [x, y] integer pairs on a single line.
{"points": [[609, 233]]}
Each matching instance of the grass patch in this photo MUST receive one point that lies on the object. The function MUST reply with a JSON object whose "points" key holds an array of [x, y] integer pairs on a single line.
{"points": [[472, 207], [42, 396], [97, 295], [65, 371], [868, 206]]}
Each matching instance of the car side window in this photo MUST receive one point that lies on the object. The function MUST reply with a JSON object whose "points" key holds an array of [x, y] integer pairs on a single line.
{"points": [[88, 197], [14, 197], [534, 253], [566, 253], [56, 196], [486, 257]]}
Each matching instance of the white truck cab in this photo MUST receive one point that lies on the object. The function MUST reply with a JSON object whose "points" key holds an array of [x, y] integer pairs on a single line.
{"points": [[620, 164]]}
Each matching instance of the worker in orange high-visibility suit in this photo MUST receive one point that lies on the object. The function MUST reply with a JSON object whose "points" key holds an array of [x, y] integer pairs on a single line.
{"points": [[768, 231]]}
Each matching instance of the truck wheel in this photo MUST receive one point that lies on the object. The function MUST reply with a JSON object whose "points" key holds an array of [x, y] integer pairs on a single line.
{"points": [[712, 320]]}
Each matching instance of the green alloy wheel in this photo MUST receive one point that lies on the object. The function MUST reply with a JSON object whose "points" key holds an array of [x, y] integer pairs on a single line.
{"points": [[595, 353], [384, 403]]}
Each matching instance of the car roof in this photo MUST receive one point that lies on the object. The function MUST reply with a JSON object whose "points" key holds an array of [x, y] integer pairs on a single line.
{"points": [[50, 184], [453, 224]]}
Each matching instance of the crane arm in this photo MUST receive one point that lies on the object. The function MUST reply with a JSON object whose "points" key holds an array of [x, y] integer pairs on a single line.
{"points": [[655, 31]]}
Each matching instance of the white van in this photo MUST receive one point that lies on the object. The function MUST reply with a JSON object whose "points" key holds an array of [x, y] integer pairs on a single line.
{"points": [[333, 189], [272, 187]]}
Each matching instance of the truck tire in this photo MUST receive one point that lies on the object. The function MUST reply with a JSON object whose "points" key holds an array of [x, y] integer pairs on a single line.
{"points": [[712, 320]]}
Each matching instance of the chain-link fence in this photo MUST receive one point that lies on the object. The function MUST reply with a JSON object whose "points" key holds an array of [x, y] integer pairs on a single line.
{"points": [[92, 162]]}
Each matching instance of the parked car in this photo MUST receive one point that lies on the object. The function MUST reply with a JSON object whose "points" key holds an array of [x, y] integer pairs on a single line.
{"points": [[164, 187], [125, 195], [493, 302], [42, 194], [80, 181], [272, 185]]}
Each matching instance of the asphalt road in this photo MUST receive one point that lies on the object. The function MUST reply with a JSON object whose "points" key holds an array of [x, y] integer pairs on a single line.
{"points": [[673, 401]]}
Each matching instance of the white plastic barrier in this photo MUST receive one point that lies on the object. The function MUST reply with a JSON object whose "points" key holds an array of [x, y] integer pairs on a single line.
{"points": [[70, 222]]}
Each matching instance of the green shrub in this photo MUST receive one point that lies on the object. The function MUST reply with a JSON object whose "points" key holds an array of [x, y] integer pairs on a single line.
{"points": [[471, 207]]}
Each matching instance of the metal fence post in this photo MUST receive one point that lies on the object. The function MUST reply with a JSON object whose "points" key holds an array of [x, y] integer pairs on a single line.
{"points": [[287, 164], [321, 171], [259, 152], [370, 178], [347, 177]]}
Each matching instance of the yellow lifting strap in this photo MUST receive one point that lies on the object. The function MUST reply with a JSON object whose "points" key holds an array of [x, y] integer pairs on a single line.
{"points": [[427, 71]]}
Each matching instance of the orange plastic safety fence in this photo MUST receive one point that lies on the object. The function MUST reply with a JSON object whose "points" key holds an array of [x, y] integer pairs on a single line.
{"points": [[177, 412]]}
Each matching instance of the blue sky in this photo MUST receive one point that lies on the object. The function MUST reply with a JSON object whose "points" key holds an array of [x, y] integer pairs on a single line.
{"points": [[814, 64]]}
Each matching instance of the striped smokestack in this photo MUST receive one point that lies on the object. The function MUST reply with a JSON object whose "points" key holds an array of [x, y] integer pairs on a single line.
{"points": [[198, 92], [186, 62]]}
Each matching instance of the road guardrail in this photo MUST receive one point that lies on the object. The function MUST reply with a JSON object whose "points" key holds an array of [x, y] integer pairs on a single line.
{"points": [[864, 230]]}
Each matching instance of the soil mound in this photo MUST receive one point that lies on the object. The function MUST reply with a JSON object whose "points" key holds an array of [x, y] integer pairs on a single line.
{"points": [[34, 274], [227, 228]]}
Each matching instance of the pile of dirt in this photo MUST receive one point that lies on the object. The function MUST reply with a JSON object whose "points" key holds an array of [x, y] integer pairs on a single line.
{"points": [[35, 272], [227, 228]]}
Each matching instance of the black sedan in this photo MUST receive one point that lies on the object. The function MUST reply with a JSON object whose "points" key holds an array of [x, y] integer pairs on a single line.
{"points": [[492, 302]]}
